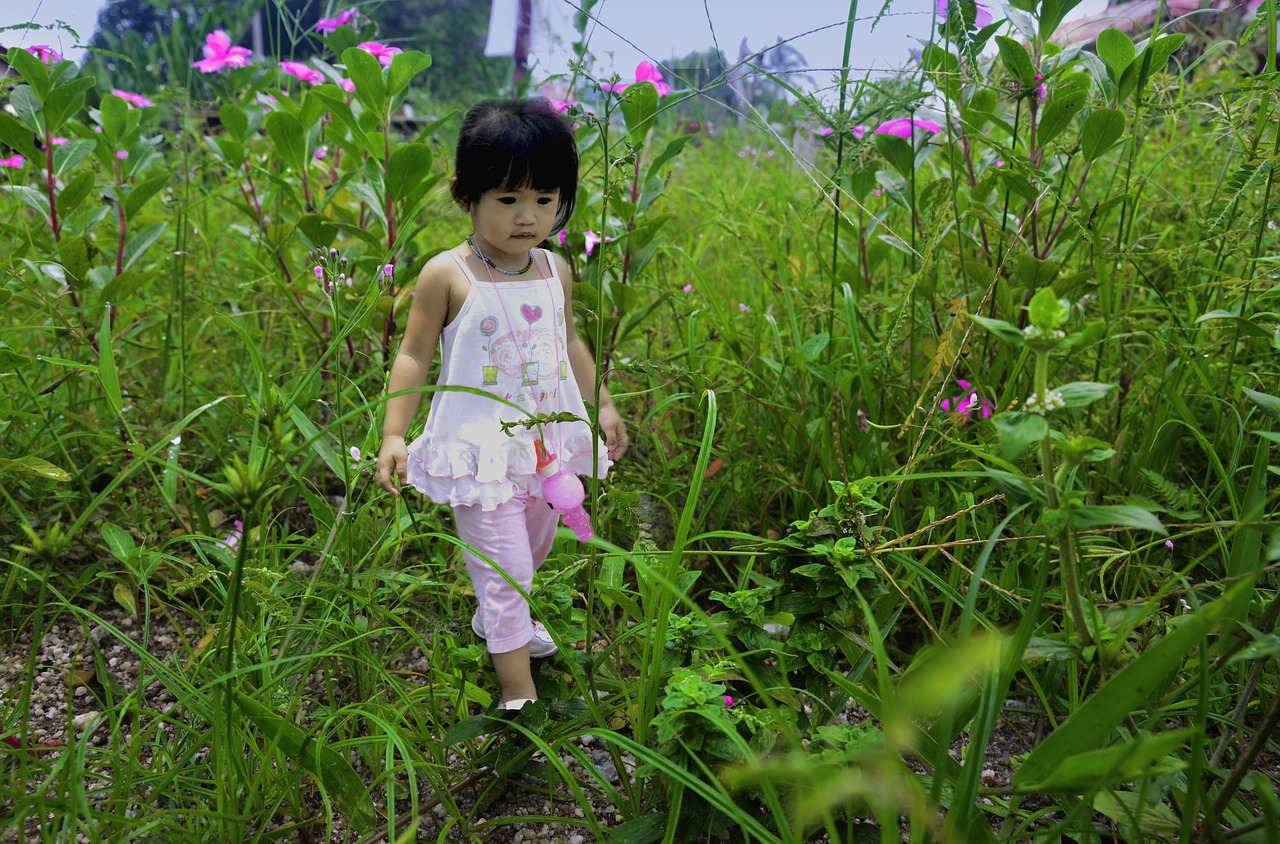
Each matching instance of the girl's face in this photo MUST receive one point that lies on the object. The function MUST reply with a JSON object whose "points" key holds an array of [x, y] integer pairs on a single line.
{"points": [[511, 221]]}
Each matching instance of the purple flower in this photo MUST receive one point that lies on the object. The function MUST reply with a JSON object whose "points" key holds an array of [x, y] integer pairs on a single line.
{"points": [[903, 126], [380, 51], [45, 53], [688, 288], [590, 239], [132, 99], [320, 153], [564, 237], [1168, 543], [561, 105], [825, 130], [15, 162], [728, 702], [219, 53], [970, 403], [981, 17], [122, 154], [388, 270], [303, 72], [742, 306], [232, 540], [330, 24], [319, 271]]}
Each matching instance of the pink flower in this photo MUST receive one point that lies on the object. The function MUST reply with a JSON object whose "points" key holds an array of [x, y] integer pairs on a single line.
{"points": [[590, 239], [330, 24], [380, 51], [902, 127], [15, 162], [825, 131], [1168, 543], [998, 163], [122, 154], [967, 405], [45, 53], [564, 237], [388, 270], [645, 72], [744, 307], [728, 701], [218, 53], [303, 72], [320, 153], [132, 99], [688, 288], [982, 16], [348, 85], [859, 131], [562, 105], [232, 540]]}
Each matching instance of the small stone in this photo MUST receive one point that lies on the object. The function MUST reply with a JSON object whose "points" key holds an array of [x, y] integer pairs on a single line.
{"points": [[83, 720]]}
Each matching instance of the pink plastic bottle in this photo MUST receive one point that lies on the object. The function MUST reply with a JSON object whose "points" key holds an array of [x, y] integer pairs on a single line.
{"points": [[563, 491]]}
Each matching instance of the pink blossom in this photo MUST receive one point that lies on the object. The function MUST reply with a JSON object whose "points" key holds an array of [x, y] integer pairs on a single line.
{"points": [[564, 237], [562, 105], [132, 99], [1168, 543], [303, 72], [232, 540], [728, 701], [590, 239], [645, 72], [348, 85], [902, 127], [825, 131], [15, 162], [122, 154], [859, 131], [219, 53], [380, 51], [998, 163], [967, 405], [688, 288], [330, 24], [320, 153], [982, 16], [388, 270], [744, 307], [45, 53]]}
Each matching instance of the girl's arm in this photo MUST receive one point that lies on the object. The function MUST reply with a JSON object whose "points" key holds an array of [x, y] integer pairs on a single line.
{"points": [[584, 372], [427, 314]]}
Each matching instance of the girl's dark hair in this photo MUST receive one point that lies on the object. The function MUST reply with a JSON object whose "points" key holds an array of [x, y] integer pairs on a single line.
{"points": [[516, 143]]}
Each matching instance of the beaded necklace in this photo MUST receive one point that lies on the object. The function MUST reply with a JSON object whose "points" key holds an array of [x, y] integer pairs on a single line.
{"points": [[492, 265]]}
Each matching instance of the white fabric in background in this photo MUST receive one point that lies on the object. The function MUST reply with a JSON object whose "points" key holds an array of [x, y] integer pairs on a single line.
{"points": [[542, 32]]}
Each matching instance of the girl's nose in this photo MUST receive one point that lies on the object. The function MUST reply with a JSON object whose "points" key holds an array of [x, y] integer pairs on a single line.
{"points": [[524, 214]]}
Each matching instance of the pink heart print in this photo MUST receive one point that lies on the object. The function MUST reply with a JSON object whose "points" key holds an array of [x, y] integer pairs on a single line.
{"points": [[531, 313]]}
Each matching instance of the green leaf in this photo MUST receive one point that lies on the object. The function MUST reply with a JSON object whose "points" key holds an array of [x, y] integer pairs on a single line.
{"points": [[107, 364], [1116, 515], [1058, 113], [1006, 331], [114, 113], [287, 136], [1101, 768], [1046, 310], [17, 136], [1268, 404], [1117, 52], [409, 165], [1034, 273], [141, 242], [639, 108], [471, 728], [1018, 431], [1083, 393], [669, 152], [1102, 129], [65, 100], [68, 155], [142, 191], [1156, 56], [1016, 60], [1136, 685], [33, 466], [235, 121], [371, 89], [32, 69], [327, 766], [405, 66], [119, 542], [898, 152], [28, 108], [11, 361]]}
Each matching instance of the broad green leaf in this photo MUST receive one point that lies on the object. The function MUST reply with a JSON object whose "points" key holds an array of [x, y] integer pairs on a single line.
{"points": [[1156, 56], [114, 114], [68, 155], [1138, 684], [669, 152], [944, 69], [33, 466], [28, 109], [1244, 324], [141, 242], [1102, 129], [142, 191], [371, 89], [119, 542], [1116, 515], [1033, 273], [1268, 404], [898, 152], [1100, 768], [326, 765], [405, 66], [290, 141], [409, 165], [32, 69], [1083, 393], [17, 136], [1058, 113], [470, 728], [235, 121], [1155, 821], [1018, 431], [124, 597], [11, 361], [65, 100], [1117, 52], [1016, 60], [107, 364], [1006, 331], [317, 441], [639, 108], [1046, 310]]}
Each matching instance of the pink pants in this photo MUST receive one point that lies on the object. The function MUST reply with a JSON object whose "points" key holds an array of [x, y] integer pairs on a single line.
{"points": [[517, 537]]}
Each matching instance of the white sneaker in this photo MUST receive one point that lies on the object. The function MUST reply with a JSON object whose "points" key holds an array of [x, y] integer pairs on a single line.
{"points": [[541, 645], [516, 705]]}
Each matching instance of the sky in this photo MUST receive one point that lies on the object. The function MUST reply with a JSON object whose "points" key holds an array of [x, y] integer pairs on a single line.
{"points": [[629, 32]]}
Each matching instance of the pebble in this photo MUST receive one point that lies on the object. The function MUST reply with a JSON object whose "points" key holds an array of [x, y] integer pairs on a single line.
{"points": [[83, 720]]}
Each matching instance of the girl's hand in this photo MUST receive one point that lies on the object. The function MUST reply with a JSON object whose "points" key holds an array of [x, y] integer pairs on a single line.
{"points": [[615, 432], [393, 460]]}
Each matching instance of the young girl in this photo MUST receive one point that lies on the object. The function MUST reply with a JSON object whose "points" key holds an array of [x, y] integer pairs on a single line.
{"points": [[501, 310]]}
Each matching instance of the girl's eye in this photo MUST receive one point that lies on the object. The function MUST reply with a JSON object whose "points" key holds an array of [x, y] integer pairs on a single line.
{"points": [[507, 200], [544, 200]]}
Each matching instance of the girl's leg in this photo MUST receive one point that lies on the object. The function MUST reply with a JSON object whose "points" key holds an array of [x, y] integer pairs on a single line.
{"points": [[540, 522], [502, 536]]}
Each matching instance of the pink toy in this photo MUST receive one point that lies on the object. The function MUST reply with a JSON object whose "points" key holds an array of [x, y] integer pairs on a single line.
{"points": [[563, 491]]}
